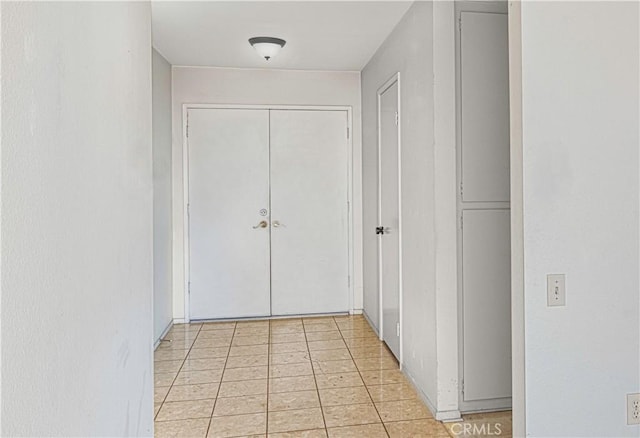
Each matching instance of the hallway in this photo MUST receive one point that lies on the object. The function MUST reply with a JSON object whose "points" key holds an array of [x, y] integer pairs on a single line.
{"points": [[328, 376]]}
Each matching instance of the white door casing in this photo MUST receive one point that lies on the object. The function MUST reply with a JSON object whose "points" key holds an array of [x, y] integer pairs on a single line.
{"points": [[228, 186], [309, 228], [389, 254]]}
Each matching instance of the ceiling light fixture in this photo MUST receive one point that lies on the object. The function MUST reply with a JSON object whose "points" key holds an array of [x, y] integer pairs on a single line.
{"points": [[267, 47]]}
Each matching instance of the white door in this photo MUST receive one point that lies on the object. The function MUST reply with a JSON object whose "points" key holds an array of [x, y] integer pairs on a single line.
{"points": [[388, 212], [228, 190], [309, 250]]}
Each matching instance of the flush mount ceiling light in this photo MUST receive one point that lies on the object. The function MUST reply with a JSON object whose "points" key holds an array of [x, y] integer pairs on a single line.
{"points": [[267, 47]]}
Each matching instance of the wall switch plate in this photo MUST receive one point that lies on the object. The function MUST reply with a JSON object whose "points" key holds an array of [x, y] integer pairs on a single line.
{"points": [[556, 292], [633, 409]]}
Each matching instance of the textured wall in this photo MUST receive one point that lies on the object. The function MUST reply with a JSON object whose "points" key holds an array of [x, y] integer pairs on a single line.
{"points": [[162, 232], [76, 219], [580, 120]]}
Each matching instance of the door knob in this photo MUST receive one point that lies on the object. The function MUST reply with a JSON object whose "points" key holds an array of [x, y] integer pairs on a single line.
{"points": [[261, 224], [275, 224]]}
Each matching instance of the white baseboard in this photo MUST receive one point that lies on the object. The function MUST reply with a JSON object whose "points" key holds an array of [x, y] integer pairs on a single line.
{"points": [[444, 416], [164, 333], [495, 405], [355, 312], [448, 416], [373, 327]]}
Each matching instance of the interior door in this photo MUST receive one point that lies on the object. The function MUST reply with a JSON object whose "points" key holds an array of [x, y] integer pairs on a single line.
{"points": [[228, 198], [309, 228], [389, 249]]}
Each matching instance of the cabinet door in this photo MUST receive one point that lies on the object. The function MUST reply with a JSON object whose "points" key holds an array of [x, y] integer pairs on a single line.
{"points": [[486, 288], [485, 107]]}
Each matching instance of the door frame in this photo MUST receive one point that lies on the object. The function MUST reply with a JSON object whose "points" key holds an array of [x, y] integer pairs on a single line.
{"points": [[387, 84], [351, 229]]}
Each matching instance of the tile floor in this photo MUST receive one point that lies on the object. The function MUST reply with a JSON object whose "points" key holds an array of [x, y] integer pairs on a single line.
{"points": [[302, 377]]}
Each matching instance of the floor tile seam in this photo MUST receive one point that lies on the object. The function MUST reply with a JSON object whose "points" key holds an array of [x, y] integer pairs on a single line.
{"points": [[369, 393], [220, 385], [191, 399], [183, 419], [266, 431], [315, 382], [176, 376], [200, 383]]}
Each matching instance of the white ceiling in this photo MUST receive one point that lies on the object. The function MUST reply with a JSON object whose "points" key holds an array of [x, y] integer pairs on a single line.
{"points": [[320, 35]]}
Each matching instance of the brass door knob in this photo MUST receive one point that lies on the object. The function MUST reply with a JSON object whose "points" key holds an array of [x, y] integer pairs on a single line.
{"points": [[261, 224]]}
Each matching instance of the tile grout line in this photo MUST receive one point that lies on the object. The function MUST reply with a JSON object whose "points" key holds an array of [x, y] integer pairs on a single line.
{"points": [[313, 371], [266, 421], [224, 368], [365, 386], [269, 368], [177, 374]]}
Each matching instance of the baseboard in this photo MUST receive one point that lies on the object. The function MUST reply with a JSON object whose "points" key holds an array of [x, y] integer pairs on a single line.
{"points": [[373, 327], [355, 312], [179, 321], [444, 416], [495, 405], [164, 333], [448, 416]]}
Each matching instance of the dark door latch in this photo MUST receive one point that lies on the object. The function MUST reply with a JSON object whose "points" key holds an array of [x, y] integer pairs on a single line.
{"points": [[379, 230]]}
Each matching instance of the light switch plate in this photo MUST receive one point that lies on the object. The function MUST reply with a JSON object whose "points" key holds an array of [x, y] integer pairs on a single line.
{"points": [[633, 409], [556, 292]]}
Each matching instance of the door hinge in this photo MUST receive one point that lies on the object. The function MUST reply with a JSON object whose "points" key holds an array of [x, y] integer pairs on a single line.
{"points": [[397, 118], [461, 221], [188, 209], [398, 329], [460, 23], [189, 287], [461, 189], [462, 384]]}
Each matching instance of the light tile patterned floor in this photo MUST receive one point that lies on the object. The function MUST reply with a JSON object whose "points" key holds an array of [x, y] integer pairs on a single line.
{"points": [[302, 377]]}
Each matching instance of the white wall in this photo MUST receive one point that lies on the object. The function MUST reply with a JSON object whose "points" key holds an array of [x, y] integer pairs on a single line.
{"points": [[259, 87], [162, 232], [76, 219], [580, 123], [422, 49]]}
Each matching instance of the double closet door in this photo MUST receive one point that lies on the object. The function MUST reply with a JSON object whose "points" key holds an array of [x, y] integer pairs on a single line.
{"points": [[268, 213]]}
